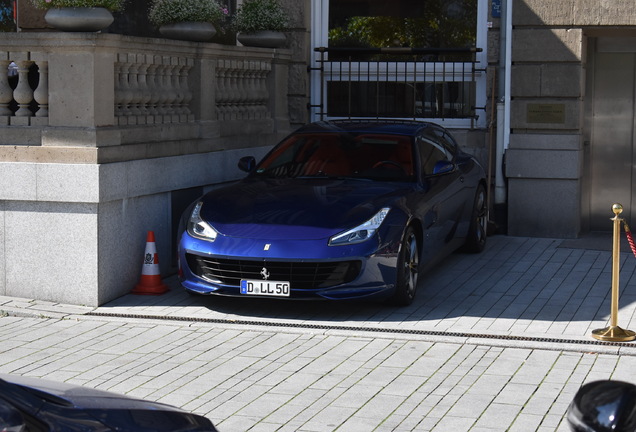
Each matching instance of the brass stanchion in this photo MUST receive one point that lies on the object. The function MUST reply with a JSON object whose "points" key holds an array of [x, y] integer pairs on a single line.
{"points": [[614, 333]]}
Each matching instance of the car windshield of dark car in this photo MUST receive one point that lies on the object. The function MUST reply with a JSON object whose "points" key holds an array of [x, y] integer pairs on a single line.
{"points": [[338, 155]]}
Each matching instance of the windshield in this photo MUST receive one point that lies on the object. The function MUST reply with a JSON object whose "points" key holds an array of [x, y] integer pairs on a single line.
{"points": [[366, 156]]}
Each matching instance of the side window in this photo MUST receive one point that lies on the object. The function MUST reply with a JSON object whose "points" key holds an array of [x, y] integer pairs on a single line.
{"points": [[444, 139], [431, 152]]}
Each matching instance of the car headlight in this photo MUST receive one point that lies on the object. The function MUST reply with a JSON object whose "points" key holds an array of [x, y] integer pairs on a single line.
{"points": [[361, 232], [199, 228]]}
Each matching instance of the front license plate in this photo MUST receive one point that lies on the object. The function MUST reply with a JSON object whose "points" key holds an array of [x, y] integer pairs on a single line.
{"points": [[265, 288]]}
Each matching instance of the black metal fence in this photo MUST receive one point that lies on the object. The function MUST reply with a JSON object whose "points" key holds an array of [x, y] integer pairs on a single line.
{"points": [[413, 83]]}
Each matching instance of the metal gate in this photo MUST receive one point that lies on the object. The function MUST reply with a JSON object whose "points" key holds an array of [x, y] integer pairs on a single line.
{"points": [[414, 83]]}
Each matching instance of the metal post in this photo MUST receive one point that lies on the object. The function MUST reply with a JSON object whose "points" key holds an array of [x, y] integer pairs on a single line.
{"points": [[614, 333]]}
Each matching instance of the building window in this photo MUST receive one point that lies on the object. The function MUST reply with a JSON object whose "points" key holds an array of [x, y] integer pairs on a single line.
{"points": [[403, 23], [400, 59]]}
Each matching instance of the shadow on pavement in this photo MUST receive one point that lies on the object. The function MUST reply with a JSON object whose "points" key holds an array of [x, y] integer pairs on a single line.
{"points": [[517, 285]]}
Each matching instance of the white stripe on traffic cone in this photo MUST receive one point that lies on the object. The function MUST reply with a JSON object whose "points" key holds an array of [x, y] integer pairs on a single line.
{"points": [[150, 282]]}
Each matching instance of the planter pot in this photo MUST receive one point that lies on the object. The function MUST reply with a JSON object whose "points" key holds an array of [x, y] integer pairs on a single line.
{"points": [[189, 31], [265, 39], [79, 19]]}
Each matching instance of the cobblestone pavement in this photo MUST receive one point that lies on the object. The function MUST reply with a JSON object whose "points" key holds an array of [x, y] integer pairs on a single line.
{"points": [[494, 342]]}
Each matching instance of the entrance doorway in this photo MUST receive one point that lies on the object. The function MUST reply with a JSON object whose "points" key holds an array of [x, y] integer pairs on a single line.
{"points": [[611, 121]]}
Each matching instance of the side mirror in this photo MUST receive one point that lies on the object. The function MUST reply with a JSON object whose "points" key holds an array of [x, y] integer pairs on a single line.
{"points": [[443, 167], [247, 163], [602, 406]]}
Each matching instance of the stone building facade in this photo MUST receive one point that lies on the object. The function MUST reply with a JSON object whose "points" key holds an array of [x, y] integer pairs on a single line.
{"points": [[82, 182], [570, 154]]}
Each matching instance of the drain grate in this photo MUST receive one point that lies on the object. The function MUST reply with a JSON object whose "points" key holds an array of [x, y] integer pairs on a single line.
{"points": [[367, 329]]}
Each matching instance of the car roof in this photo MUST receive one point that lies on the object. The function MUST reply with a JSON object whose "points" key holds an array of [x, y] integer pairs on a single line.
{"points": [[398, 127]]}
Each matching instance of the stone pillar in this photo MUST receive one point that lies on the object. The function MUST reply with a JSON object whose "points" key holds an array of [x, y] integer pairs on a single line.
{"points": [[545, 159], [545, 155], [298, 41], [81, 99]]}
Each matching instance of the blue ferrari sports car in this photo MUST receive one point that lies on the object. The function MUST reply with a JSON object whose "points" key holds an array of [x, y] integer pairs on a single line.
{"points": [[337, 210]]}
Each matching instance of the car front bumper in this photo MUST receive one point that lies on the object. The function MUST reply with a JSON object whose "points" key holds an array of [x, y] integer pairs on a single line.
{"points": [[313, 269]]}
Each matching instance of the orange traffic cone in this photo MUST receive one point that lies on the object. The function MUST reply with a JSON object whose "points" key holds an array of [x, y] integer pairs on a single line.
{"points": [[150, 282]]}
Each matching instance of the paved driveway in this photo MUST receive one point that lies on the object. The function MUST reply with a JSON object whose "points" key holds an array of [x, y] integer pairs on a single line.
{"points": [[494, 342], [519, 289]]}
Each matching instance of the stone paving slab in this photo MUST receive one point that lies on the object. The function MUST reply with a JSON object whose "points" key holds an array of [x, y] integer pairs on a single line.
{"points": [[494, 342], [266, 380], [517, 288]]}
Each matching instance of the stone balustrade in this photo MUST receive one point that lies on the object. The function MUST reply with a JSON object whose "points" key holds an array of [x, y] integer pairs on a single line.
{"points": [[103, 90], [241, 89], [152, 89], [23, 90]]}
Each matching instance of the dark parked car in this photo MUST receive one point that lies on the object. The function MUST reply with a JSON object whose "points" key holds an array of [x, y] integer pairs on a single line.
{"points": [[35, 405], [337, 210], [603, 406]]}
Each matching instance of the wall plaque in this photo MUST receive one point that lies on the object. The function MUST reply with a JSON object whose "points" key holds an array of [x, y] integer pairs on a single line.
{"points": [[546, 113]]}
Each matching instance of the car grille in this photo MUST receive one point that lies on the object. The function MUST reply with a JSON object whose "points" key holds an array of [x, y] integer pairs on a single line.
{"points": [[301, 275]]}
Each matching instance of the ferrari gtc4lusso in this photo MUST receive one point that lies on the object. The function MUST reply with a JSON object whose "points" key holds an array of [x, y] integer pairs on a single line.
{"points": [[337, 210]]}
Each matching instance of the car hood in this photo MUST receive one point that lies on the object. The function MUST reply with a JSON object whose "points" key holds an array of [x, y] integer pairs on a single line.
{"points": [[83, 397], [72, 408], [307, 208]]}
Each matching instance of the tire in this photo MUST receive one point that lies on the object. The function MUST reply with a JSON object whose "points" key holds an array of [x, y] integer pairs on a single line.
{"points": [[477, 234], [408, 267]]}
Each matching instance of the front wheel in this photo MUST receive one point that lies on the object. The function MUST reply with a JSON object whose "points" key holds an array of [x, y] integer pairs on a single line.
{"points": [[407, 270], [476, 239]]}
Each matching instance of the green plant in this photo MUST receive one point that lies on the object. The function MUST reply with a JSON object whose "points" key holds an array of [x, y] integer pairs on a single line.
{"points": [[111, 5], [173, 11], [258, 15]]}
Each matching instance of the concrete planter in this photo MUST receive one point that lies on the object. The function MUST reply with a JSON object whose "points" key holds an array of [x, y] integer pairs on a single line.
{"points": [[79, 19], [189, 31], [265, 39]]}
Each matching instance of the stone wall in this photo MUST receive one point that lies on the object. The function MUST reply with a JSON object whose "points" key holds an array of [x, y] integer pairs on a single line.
{"points": [[114, 136], [544, 161]]}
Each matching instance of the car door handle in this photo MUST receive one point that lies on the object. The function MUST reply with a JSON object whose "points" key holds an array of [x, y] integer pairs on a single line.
{"points": [[431, 218]]}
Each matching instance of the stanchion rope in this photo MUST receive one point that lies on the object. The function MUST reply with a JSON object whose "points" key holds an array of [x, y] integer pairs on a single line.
{"points": [[630, 238]]}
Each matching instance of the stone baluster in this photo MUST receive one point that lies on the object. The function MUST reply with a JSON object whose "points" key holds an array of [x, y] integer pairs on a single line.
{"points": [[153, 85], [144, 91], [242, 90], [172, 81], [263, 94], [170, 90], [266, 94], [41, 93], [124, 93], [179, 85], [258, 91], [221, 93], [118, 90], [227, 89], [6, 92], [234, 91], [184, 84], [163, 86], [246, 91], [253, 90], [175, 78], [249, 86], [23, 94], [135, 90]]}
